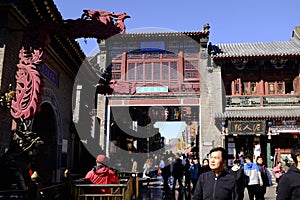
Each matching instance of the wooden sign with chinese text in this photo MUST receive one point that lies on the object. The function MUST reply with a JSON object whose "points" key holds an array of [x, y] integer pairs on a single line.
{"points": [[246, 127]]}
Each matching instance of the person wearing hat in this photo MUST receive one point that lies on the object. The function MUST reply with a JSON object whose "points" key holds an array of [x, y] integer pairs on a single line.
{"points": [[101, 174]]}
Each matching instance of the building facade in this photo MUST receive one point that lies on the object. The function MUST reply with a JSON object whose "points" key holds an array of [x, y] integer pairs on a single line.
{"points": [[244, 97], [155, 79], [262, 102]]}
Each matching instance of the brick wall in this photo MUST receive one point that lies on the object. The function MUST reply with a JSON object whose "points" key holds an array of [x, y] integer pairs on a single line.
{"points": [[9, 50]]}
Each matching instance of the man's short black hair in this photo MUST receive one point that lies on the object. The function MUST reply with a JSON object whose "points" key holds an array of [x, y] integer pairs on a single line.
{"points": [[295, 151], [248, 157], [258, 157], [224, 152], [237, 162]]}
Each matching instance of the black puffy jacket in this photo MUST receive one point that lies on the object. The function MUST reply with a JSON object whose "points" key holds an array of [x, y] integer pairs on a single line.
{"points": [[211, 187], [289, 185]]}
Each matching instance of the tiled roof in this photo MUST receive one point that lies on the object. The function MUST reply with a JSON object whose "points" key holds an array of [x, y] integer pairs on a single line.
{"points": [[260, 49], [260, 113], [154, 35], [167, 34]]}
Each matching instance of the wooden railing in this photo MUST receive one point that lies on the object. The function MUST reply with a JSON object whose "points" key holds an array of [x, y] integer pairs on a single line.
{"points": [[52, 191], [71, 189], [122, 191], [262, 101]]}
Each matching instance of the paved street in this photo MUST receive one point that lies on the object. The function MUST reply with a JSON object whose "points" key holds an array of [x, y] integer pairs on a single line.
{"points": [[154, 192], [270, 195]]}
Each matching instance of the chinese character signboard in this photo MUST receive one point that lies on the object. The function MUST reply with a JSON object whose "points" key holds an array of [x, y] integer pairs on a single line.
{"points": [[151, 89], [247, 127], [49, 73]]}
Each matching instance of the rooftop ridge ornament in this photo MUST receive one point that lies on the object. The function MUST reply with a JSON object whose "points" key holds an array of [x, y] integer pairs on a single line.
{"points": [[28, 83], [107, 18]]}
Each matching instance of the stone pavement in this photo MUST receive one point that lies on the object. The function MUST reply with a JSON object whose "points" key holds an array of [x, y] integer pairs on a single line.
{"points": [[154, 191], [270, 195]]}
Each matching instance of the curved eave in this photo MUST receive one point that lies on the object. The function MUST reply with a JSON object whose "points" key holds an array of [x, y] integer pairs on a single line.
{"points": [[47, 11], [284, 49], [49, 7], [229, 57]]}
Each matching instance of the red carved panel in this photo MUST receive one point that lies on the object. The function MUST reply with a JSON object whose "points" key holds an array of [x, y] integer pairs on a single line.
{"points": [[28, 85]]}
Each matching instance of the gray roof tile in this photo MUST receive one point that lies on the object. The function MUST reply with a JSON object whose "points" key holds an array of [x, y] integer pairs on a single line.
{"points": [[260, 49], [260, 113]]}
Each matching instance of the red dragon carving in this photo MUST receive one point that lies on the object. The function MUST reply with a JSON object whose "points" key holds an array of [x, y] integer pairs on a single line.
{"points": [[28, 85]]}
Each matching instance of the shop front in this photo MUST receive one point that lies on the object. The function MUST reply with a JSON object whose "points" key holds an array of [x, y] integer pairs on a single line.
{"points": [[270, 138], [283, 134], [245, 137]]}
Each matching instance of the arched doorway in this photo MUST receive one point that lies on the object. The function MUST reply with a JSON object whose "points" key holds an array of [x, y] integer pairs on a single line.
{"points": [[45, 125]]}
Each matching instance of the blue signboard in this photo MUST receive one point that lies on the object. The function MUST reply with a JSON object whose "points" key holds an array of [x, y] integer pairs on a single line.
{"points": [[152, 46], [49, 73], [151, 89]]}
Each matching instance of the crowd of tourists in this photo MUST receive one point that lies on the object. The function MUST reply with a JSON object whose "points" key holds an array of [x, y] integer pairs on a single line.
{"points": [[212, 179], [177, 171]]}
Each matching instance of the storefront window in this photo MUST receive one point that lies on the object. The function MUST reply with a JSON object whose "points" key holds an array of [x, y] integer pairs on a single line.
{"points": [[191, 69], [131, 71], [253, 88], [173, 72], [156, 71], [165, 71], [271, 88], [245, 88], [280, 88], [148, 71], [139, 71]]}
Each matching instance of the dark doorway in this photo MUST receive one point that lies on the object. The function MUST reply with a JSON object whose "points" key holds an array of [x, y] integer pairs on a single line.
{"points": [[244, 144], [46, 127]]}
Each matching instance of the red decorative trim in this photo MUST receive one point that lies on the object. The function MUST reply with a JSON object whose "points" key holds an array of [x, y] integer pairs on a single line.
{"points": [[28, 88]]}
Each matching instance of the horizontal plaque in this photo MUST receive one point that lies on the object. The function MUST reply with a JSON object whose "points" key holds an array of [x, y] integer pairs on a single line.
{"points": [[247, 127], [151, 89]]}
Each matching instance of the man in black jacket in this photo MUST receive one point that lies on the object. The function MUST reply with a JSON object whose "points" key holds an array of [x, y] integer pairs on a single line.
{"points": [[177, 173], [289, 184], [216, 184], [238, 171]]}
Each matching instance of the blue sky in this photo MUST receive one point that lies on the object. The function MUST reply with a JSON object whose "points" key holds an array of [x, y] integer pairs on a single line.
{"points": [[170, 129], [231, 21]]}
